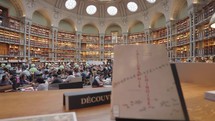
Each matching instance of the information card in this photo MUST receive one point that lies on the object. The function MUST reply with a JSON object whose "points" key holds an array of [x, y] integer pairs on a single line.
{"points": [[145, 85]]}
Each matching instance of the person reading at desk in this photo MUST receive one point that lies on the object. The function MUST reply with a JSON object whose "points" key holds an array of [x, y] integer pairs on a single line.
{"points": [[97, 82], [70, 76], [23, 79], [56, 79], [42, 85], [5, 81]]}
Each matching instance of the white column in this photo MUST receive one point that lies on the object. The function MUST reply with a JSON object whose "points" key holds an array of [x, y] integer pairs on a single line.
{"points": [[54, 43], [125, 38], [192, 31], [78, 45], [169, 26], [27, 32], [148, 36], [101, 38], [29, 41]]}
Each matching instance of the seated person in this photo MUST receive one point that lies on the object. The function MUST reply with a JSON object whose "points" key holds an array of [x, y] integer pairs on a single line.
{"points": [[5, 81], [42, 85], [97, 82], [23, 79], [56, 79], [84, 78], [70, 76], [76, 72], [45, 74], [107, 81]]}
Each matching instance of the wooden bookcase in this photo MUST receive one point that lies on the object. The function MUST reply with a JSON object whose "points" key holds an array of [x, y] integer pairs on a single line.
{"points": [[159, 36], [14, 23], [40, 30], [66, 45], [4, 49], [204, 35], [136, 38], [180, 42], [14, 50], [8, 36], [40, 42], [90, 47], [182, 25]]}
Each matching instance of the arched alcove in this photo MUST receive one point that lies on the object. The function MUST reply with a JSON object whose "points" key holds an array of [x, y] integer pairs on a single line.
{"points": [[136, 27], [66, 25], [158, 20], [90, 29], [12, 11], [40, 17], [179, 9], [113, 28]]}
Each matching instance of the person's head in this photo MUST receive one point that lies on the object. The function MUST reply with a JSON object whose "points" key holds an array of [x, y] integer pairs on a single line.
{"points": [[101, 75], [54, 75], [40, 80], [23, 76], [76, 70], [46, 72], [4, 78], [70, 72], [12, 72]]}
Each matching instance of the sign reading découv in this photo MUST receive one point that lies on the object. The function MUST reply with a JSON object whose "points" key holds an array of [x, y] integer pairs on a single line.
{"points": [[75, 100]]}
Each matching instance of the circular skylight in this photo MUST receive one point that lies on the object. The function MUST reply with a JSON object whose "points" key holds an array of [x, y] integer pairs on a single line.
{"points": [[112, 10], [151, 1], [70, 4], [132, 6], [91, 9]]}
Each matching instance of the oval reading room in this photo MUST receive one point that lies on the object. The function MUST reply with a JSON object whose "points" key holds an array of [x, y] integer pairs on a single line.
{"points": [[107, 60]]}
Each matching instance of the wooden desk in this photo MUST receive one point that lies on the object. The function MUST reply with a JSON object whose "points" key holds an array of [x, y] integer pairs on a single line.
{"points": [[17, 104]]}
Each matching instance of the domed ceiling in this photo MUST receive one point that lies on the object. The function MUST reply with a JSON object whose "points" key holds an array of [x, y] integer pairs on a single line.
{"points": [[103, 8]]}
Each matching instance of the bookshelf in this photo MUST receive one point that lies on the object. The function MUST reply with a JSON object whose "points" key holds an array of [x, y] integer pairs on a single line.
{"points": [[181, 53], [136, 38], [4, 49], [40, 30], [182, 25], [66, 36], [180, 42], [40, 42], [108, 47], [159, 36], [204, 35], [108, 39], [208, 10], [66, 45], [209, 47], [14, 50], [90, 47], [8, 36], [109, 42], [183, 39], [14, 23], [65, 54]]}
